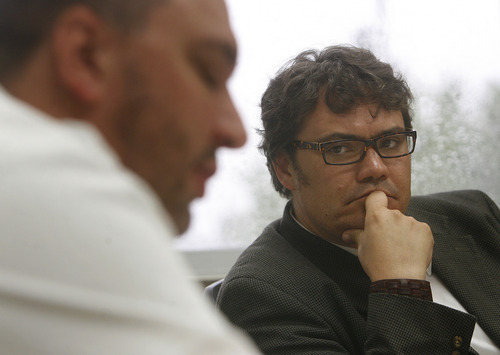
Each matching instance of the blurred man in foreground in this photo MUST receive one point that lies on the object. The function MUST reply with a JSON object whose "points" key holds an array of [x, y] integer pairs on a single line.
{"points": [[111, 113], [345, 270]]}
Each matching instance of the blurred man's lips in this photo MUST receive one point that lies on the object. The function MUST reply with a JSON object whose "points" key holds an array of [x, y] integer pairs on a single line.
{"points": [[203, 173]]}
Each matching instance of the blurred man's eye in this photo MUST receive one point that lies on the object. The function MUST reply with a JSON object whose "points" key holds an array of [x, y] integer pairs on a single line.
{"points": [[210, 78], [214, 63]]}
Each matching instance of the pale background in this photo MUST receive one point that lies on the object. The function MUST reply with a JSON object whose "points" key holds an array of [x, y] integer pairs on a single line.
{"points": [[449, 52]]}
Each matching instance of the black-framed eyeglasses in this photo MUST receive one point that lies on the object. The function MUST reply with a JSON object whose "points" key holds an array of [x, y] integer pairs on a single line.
{"points": [[350, 151]]}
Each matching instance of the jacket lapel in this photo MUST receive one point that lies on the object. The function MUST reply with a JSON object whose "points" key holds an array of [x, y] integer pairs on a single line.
{"points": [[458, 263]]}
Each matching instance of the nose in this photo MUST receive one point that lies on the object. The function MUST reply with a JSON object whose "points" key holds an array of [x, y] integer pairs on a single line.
{"points": [[230, 131], [372, 167]]}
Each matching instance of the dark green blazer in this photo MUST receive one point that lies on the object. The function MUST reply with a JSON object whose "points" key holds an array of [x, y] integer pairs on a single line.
{"points": [[295, 293]]}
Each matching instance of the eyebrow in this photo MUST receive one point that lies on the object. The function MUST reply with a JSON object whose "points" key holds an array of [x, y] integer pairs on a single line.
{"points": [[337, 136]]}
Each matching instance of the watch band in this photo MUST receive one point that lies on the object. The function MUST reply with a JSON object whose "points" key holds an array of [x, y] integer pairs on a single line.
{"points": [[406, 287]]}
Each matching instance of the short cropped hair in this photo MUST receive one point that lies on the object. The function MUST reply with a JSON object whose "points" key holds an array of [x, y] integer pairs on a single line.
{"points": [[346, 76], [24, 23]]}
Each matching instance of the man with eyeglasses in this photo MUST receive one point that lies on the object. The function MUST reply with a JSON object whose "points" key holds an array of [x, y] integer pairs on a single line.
{"points": [[347, 269]]}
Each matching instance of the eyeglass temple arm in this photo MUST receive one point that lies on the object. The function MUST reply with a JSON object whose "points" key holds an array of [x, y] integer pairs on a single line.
{"points": [[305, 145]]}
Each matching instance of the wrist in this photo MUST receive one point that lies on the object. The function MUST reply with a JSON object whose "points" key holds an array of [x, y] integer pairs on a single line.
{"points": [[406, 287]]}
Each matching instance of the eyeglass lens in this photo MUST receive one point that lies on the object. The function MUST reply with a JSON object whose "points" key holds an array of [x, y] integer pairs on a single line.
{"points": [[349, 151]]}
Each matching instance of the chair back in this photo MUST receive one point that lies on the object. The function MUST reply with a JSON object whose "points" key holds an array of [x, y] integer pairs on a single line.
{"points": [[213, 289]]}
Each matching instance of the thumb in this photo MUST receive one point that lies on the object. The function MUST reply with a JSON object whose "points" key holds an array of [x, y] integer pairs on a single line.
{"points": [[352, 236]]}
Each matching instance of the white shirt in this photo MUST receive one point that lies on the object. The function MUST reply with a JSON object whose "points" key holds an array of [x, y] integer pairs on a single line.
{"points": [[86, 261]]}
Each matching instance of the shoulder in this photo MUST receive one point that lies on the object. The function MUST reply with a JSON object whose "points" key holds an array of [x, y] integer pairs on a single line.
{"points": [[454, 200], [269, 267], [270, 253], [457, 196], [72, 214], [64, 175], [470, 211]]}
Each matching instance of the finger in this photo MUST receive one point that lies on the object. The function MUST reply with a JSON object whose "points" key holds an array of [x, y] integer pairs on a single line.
{"points": [[352, 236], [376, 200]]}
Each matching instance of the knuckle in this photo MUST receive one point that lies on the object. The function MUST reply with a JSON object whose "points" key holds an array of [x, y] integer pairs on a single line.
{"points": [[425, 227], [377, 215]]}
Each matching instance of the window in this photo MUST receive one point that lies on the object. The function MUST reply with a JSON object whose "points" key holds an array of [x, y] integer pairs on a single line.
{"points": [[449, 52]]}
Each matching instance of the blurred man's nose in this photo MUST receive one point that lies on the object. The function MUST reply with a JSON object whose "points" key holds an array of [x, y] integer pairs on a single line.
{"points": [[230, 130]]}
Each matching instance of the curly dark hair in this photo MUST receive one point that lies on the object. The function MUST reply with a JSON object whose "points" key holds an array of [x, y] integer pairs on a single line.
{"points": [[347, 76], [24, 23]]}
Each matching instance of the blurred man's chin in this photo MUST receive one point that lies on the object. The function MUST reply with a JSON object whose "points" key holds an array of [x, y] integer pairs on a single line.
{"points": [[181, 218]]}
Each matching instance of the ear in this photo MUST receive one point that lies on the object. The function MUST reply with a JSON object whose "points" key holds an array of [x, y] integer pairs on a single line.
{"points": [[283, 167], [77, 42]]}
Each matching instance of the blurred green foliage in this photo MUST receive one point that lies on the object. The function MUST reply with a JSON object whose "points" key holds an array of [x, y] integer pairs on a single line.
{"points": [[457, 148]]}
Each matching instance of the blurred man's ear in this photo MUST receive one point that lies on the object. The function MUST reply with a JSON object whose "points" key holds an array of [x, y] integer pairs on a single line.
{"points": [[78, 46], [283, 167]]}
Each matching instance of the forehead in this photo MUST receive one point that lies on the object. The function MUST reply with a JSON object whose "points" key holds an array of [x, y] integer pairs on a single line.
{"points": [[195, 22], [365, 121]]}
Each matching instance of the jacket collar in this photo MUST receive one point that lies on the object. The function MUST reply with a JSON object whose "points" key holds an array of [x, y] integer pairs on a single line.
{"points": [[339, 265]]}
